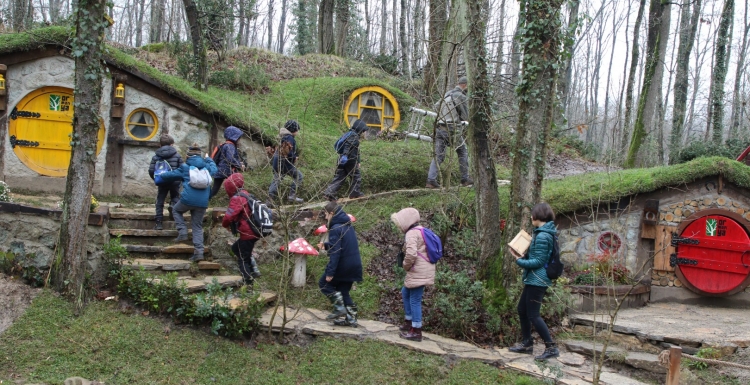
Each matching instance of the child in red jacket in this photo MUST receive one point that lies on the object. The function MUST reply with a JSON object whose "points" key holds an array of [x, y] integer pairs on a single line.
{"points": [[237, 217]]}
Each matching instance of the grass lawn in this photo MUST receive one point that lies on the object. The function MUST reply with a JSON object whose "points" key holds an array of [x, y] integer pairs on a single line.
{"points": [[48, 344]]}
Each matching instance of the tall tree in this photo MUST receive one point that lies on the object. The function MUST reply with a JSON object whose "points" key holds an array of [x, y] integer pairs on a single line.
{"points": [[438, 19], [22, 14], [368, 25], [200, 58], [719, 76], [303, 35], [55, 8], [342, 26], [688, 28], [141, 5], [541, 37], [632, 76], [325, 27], [158, 9], [282, 26], [270, 25], [564, 83], [383, 24], [650, 97], [69, 268], [740, 72], [402, 39], [500, 44]]}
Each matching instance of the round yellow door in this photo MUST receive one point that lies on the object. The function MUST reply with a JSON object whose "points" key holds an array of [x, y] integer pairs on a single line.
{"points": [[40, 128]]}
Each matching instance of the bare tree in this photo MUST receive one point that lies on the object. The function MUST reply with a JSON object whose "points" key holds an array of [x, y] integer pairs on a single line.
{"points": [[438, 19], [282, 27], [740, 71], [22, 14], [402, 39], [564, 83], [270, 25], [342, 26], [199, 48], [719, 75], [383, 24], [632, 75], [139, 23], [325, 27]]}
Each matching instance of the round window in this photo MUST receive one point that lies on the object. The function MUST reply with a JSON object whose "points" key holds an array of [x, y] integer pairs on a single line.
{"points": [[142, 124], [609, 242], [373, 105]]}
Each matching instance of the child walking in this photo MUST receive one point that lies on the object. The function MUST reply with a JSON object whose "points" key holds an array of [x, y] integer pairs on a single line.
{"points": [[348, 164], [344, 266], [419, 272], [228, 159], [167, 153], [284, 161], [238, 217]]}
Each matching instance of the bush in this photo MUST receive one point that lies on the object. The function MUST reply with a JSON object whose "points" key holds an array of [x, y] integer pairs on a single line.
{"points": [[697, 149], [387, 63], [154, 47], [456, 301], [5, 192], [604, 271], [19, 263], [242, 78]]}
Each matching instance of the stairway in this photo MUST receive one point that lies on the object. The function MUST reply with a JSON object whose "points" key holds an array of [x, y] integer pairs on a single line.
{"points": [[156, 252]]}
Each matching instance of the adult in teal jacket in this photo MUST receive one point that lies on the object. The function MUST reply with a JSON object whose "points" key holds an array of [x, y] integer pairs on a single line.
{"points": [[191, 199], [535, 282]]}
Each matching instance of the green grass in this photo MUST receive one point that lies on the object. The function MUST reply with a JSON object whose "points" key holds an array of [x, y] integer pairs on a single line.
{"points": [[48, 344]]}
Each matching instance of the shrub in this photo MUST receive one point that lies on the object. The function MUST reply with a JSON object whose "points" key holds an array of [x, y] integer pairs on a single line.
{"points": [[603, 271], [709, 353], [19, 263], [114, 254], [5, 192], [242, 78], [154, 47], [696, 149], [456, 301], [387, 63], [94, 204]]}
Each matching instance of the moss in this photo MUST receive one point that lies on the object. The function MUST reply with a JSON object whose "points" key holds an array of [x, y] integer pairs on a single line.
{"points": [[35, 39]]}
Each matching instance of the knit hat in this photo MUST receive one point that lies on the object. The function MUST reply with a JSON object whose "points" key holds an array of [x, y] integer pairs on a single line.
{"points": [[166, 140], [194, 149], [291, 126], [463, 80]]}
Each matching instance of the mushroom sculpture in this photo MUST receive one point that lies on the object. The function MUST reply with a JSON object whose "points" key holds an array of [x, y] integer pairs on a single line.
{"points": [[301, 249], [324, 229]]}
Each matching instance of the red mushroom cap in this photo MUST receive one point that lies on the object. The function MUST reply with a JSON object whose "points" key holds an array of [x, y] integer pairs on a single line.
{"points": [[301, 246], [321, 230], [352, 218]]}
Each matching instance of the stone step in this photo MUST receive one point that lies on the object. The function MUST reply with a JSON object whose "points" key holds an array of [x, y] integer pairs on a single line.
{"points": [[264, 297], [147, 216], [169, 265], [199, 284], [144, 233], [178, 248], [638, 360], [139, 224]]}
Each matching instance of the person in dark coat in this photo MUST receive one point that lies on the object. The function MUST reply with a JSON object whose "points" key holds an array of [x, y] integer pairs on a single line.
{"points": [[192, 199], [228, 160], [348, 164], [238, 215], [169, 153], [536, 282], [283, 163], [344, 265]]}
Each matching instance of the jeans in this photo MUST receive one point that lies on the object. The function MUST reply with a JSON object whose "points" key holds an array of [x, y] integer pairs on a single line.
{"points": [[173, 189], [528, 312], [350, 168], [243, 249], [286, 169], [216, 187], [413, 305], [444, 139], [329, 288], [196, 222]]}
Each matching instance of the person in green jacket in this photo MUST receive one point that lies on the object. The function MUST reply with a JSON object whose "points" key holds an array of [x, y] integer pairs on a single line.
{"points": [[535, 282]]}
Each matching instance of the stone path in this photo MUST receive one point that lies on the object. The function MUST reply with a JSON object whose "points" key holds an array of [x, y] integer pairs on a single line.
{"points": [[569, 368]]}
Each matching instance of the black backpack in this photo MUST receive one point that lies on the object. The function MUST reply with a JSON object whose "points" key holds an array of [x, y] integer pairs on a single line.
{"points": [[261, 219], [554, 266]]}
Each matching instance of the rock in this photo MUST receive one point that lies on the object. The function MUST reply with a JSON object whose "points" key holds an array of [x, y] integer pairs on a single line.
{"points": [[571, 359], [609, 378], [725, 349], [321, 328], [425, 346], [645, 361]]}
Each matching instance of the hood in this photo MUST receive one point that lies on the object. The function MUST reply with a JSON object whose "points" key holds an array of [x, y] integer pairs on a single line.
{"points": [[234, 183], [405, 218], [339, 217], [166, 152], [232, 133], [359, 126], [284, 132], [196, 161], [548, 227]]}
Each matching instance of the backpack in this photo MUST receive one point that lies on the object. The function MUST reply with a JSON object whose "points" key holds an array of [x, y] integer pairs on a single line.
{"points": [[261, 219], [161, 167], [216, 154], [285, 148], [448, 111], [433, 245], [339, 145], [554, 266], [199, 178]]}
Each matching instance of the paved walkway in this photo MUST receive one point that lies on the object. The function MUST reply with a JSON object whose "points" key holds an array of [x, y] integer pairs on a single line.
{"points": [[569, 368]]}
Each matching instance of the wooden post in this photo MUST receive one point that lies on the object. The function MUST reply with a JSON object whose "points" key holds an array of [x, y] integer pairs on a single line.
{"points": [[673, 374]]}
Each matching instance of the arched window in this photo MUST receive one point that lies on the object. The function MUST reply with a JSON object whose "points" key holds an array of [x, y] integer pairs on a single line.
{"points": [[142, 124], [373, 105]]}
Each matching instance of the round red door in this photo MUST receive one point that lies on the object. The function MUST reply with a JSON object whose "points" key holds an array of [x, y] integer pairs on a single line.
{"points": [[713, 253]]}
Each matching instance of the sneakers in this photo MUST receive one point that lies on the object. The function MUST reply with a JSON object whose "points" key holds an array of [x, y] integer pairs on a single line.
{"points": [[196, 258], [356, 195], [415, 334], [158, 226], [432, 184], [525, 347], [181, 238], [467, 182], [550, 352], [256, 272]]}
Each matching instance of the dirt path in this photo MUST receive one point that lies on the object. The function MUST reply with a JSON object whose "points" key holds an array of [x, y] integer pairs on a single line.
{"points": [[15, 297]]}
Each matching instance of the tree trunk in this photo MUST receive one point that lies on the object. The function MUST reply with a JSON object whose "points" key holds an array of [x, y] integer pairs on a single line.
{"points": [[632, 76], [158, 9], [199, 48], [736, 95], [719, 75], [383, 24], [438, 19], [418, 33], [325, 27], [564, 83], [342, 26], [269, 41], [368, 25], [282, 26], [650, 97], [241, 16], [23, 14], [402, 39], [139, 23], [609, 79], [54, 10], [688, 28], [515, 50], [70, 265], [395, 27], [500, 46], [304, 45], [541, 36]]}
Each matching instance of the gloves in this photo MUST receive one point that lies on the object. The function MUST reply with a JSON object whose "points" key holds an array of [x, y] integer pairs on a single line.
{"points": [[343, 160]]}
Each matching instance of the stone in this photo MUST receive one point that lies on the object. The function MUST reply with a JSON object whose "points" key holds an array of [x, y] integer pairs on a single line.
{"points": [[425, 346], [671, 283], [687, 212], [161, 264], [206, 265], [610, 378], [673, 206], [144, 233], [645, 361], [479, 355], [655, 282], [740, 211], [450, 345], [321, 328], [661, 273], [571, 359], [694, 203], [706, 201], [725, 349], [375, 326]]}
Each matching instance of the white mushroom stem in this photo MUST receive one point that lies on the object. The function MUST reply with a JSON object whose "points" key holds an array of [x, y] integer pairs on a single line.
{"points": [[300, 270]]}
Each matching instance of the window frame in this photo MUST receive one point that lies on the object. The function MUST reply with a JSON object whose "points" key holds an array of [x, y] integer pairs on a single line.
{"points": [[356, 96], [156, 124]]}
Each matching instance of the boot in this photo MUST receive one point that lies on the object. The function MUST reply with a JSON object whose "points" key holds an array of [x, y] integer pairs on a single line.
{"points": [[181, 237], [338, 305], [350, 319], [196, 258], [356, 195], [171, 216], [525, 347], [406, 326], [467, 182], [158, 226], [432, 184], [550, 351], [292, 198], [256, 272], [415, 334]]}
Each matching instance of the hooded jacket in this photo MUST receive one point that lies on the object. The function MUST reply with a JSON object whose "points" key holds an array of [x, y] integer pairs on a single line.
{"points": [[229, 157], [168, 153], [345, 262], [540, 251], [286, 137], [419, 272], [239, 210], [350, 147], [191, 196]]}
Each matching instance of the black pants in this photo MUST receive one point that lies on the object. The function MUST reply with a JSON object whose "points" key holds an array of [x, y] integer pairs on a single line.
{"points": [[350, 168], [173, 189], [216, 187], [243, 249], [329, 288], [528, 311]]}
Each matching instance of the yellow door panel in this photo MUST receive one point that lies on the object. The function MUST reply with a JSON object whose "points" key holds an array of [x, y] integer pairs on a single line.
{"points": [[40, 128]]}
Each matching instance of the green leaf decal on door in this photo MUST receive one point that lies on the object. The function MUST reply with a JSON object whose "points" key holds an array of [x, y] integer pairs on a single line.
{"points": [[54, 102], [711, 227]]}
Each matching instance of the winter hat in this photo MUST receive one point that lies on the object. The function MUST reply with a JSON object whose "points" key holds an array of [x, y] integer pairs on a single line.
{"points": [[166, 140], [291, 126], [463, 80], [195, 149], [359, 126]]}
